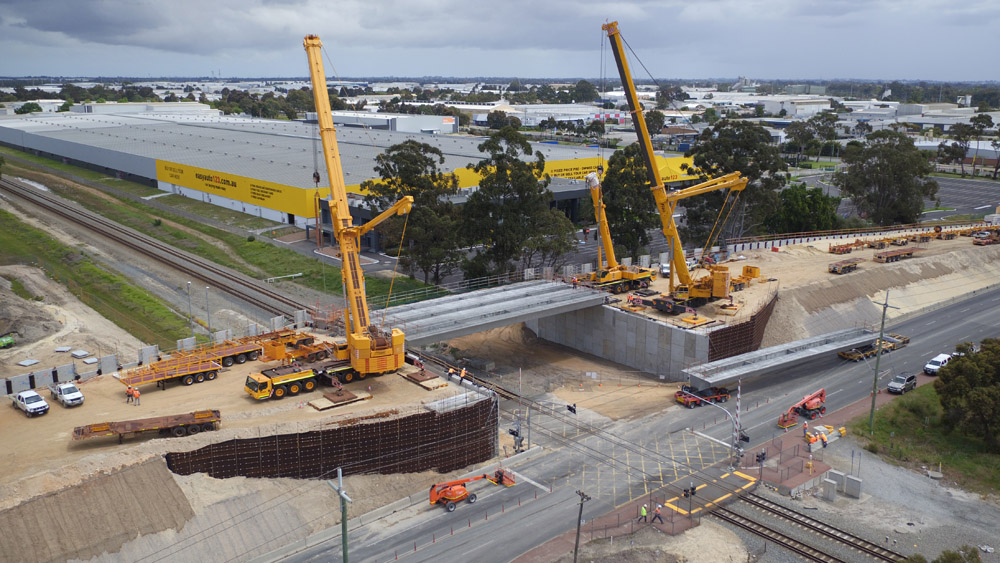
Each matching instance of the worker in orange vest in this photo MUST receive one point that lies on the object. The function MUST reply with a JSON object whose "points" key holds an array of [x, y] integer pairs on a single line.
{"points": [[656, 514], [128, 395], [135, 396]]}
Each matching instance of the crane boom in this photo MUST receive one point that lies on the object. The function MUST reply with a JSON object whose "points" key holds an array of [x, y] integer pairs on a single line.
{"points": [[666, 201], [371, 351]]}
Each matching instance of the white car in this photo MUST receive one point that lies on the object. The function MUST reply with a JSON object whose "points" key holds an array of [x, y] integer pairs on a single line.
{"points": [[31, 403], [67, 394]]}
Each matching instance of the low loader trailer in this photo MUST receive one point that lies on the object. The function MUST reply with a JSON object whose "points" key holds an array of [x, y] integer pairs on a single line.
{"points": [[174, 425], [292, 379]]}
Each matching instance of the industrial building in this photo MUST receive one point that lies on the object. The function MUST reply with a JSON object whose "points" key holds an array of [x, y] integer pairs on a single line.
{"points": [[256, 166]]}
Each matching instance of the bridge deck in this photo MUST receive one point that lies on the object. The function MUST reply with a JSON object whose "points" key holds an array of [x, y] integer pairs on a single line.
{"points": [[467, 313]]}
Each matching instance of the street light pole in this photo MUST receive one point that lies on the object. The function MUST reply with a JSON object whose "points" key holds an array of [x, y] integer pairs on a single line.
{"points": [[579, 521], [344, 499], [208, 313], [878, 356], [736, 430], [190, 314]]}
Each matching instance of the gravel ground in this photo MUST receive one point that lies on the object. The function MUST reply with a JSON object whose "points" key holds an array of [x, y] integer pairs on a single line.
{"points": [[917, 514]]}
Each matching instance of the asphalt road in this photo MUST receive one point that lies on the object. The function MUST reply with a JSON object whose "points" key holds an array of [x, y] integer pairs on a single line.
{"points": [[619, 462]]}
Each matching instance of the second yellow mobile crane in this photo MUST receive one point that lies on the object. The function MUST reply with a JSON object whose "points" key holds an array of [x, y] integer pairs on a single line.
{"points": [[615, 277], [688, 291], [370, 349]]}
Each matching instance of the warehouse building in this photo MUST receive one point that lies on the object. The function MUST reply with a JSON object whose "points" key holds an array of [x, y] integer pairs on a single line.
{"points": [[262, 167]]}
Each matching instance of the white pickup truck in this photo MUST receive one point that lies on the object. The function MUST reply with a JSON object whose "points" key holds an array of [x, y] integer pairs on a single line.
{"points": [[67, 394], [30, 402]]}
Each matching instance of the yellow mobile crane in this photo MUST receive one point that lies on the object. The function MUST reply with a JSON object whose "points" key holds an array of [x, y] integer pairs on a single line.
{"points": [[370, 349], [718, 283], [615, 278]]}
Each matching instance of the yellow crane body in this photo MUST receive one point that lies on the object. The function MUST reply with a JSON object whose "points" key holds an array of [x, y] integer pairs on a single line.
{"points": [[371, 350], [615, 278], [718, 283]]}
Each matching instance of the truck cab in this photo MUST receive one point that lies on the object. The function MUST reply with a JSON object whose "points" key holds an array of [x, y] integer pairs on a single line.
{"points": [[67, 394], [31, 403]]}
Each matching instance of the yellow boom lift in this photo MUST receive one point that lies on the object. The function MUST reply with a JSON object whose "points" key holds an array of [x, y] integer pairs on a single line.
{"points": [[616, 277], [370, 349], [718, 283]]}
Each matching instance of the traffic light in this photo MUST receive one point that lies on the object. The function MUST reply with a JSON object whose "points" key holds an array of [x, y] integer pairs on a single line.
{"points": [[690, 492], [571, 408], [744, 438], [514, 432]]}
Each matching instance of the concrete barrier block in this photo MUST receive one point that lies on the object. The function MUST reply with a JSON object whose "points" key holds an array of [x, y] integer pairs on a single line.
{"points": [[852, 486], [837, 477], [829, 490]]}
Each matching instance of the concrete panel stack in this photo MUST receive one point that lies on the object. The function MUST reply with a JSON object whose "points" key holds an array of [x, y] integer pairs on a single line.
{"points": [[148, 354], [852, 486], [837, 477], [529, 274], [829, 490], [644, 260], [627, 261]]}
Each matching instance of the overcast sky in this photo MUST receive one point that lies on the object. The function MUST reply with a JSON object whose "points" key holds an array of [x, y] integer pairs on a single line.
{"points": [[783, 39]]}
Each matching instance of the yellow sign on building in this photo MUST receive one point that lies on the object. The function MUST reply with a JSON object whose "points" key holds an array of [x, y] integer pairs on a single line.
{"points": [[280, 197]]}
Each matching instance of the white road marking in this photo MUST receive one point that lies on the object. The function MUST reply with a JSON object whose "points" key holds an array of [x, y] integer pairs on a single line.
{"points": [[520, 477], [981, 207], [717, 441]]}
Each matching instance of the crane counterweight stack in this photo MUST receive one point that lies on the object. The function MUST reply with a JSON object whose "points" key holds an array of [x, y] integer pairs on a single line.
{"points": [[371, 349]]}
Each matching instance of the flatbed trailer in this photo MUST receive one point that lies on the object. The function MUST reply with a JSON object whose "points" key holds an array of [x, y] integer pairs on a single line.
{"points": [[845, 266], [841, 248], [226, 353], [188, 370], [895, 255], [890, 342], [174, 424]]}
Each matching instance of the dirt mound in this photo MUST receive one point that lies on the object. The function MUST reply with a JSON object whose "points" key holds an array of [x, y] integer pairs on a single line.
{"points": [[62, 525], [29, 321]]}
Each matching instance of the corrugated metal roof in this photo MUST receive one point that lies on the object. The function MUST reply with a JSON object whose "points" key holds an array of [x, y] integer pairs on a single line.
{"points": [[277, 151]]}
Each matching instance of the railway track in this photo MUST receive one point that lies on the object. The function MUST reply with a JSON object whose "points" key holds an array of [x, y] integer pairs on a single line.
{"points": [[795, 546], [860, 544], [234, 284]]}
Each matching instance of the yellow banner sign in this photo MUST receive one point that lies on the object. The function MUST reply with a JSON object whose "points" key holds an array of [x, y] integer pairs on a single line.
{"points": [[280, 197]]}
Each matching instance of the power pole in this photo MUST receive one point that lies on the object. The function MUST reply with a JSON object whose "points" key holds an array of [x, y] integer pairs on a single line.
{"points": [[579, 521], [190, 314], [344, 499], [878, 356]]}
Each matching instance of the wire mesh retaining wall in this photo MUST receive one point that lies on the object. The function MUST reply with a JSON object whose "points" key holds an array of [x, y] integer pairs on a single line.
{"points": [[419, 442], [743, 337]]}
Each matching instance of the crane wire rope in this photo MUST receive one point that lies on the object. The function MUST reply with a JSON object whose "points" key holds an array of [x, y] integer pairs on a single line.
{"points": [[395, 267]]}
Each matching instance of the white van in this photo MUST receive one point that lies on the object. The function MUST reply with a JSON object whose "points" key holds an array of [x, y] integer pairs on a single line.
{"points": [[936, 363]]}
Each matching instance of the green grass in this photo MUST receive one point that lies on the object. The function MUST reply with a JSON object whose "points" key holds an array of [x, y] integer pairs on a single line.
{"points": [[908, 431], [219, 214], [251, 257], [19, 290], [130, 307], [968, 176]]}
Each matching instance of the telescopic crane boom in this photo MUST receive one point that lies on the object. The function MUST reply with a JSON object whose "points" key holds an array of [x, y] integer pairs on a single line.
{"points": [[716, 284], [615, 277], [371, 349]]}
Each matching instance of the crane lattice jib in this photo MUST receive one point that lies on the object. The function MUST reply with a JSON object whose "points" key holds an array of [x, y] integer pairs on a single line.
{"points": [[347, 236], [677, 264]]}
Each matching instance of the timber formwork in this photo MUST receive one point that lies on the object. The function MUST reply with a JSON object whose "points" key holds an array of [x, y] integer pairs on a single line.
{"points": [[741, 338]]}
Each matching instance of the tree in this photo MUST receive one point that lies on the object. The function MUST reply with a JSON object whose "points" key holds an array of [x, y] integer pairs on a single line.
{"points": [[824, 126], [963, 134], [995, 143], [980, 123], [596, 128], [949, 153], [886, 178], [667, 94], [30, 107], [799, 133], [654, 121], [65, 107], [758, 110], [711, 116], [510, 206], [496, 119], [629, 207], [735, 146], [969, 390], [514, 86], [862, 128], [431, 241], [584, 92], [803, 209]]}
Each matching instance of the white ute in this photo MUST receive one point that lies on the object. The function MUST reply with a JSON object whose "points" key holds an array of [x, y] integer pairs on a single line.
{"points": [[30, 402], [67, 394]]}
